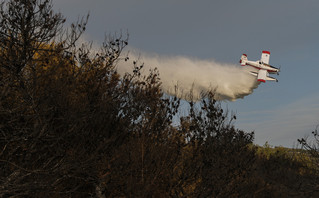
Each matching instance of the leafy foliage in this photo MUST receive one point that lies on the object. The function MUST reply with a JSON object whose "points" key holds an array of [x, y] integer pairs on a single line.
{"points": [[70, 125]]}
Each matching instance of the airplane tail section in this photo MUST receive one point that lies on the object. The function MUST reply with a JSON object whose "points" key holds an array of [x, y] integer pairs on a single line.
{"points": [[243, 60]]}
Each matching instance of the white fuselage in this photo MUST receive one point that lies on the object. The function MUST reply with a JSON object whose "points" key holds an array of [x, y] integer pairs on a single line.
{"points": [[260, 65]]}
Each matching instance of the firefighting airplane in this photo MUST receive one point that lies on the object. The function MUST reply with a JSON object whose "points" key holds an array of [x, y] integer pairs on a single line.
{"points": [[264, 69]]}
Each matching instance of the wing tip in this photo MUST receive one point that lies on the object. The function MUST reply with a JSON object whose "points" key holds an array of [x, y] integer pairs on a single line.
{"points": [[261, 80]]}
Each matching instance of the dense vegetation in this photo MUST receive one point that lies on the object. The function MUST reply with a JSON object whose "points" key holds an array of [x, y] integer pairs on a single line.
{"points": [[71, 126]]}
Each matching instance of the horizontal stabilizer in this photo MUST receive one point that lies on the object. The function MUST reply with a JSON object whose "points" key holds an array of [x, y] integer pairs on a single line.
{"points": [[243, 60]]}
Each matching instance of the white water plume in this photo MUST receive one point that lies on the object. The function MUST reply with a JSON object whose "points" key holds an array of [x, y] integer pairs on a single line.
{"points": [[180, 75]]}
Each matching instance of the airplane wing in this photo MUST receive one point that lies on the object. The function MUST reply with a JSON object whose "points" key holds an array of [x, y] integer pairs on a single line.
{"points": [[263, 75], [265, 57]]}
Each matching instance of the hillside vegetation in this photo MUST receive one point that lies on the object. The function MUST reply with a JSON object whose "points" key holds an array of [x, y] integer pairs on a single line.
{"points": [[71, 126]]}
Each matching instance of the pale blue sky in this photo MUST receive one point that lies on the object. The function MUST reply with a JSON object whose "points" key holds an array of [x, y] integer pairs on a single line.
{"points": [[279, 113]]}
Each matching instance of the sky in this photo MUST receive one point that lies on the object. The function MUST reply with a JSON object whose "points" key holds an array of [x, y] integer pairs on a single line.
{"points": [[222, 30]]}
